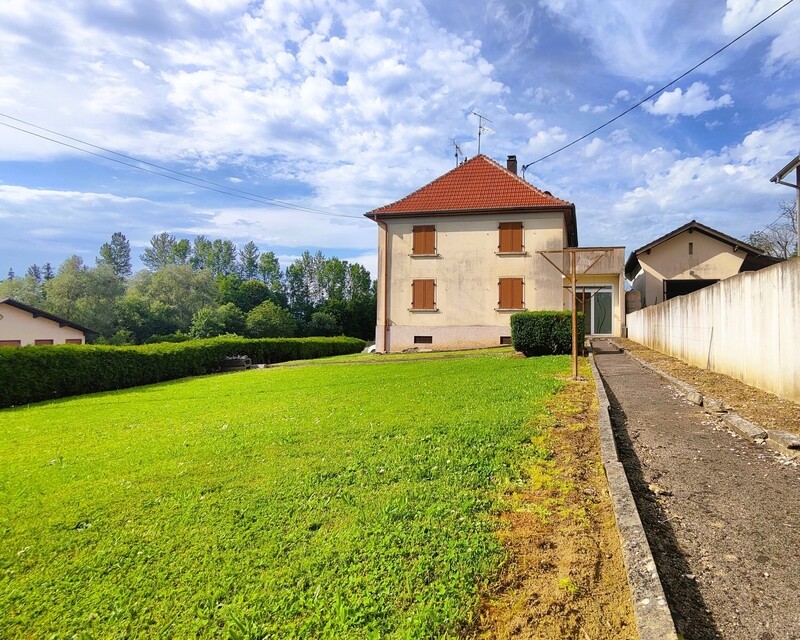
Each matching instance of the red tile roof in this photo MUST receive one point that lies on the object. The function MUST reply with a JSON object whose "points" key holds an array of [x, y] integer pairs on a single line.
{"points": [[479, 184]]}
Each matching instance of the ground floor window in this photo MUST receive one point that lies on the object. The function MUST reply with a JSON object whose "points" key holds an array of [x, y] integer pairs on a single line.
{"points": [[511, 293], [73, 341], [423, 295], [43, 342]]}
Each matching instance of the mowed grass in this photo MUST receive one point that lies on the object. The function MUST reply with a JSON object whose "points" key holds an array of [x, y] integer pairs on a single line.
{"points": [[321, 501]]}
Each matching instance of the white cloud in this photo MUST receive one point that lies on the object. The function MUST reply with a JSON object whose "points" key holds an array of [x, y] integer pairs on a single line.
{"points": [[728, 190], [783, 28], [639, 41], [623, 95], [694, 101], [593, 148]]}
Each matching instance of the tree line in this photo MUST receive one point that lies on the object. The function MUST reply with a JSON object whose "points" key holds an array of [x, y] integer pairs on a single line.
{"points": [[201, 288]]}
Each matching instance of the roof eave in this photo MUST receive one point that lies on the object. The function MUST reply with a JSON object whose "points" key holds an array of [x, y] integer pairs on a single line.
{"points": [[793, 164], [376, 215], [700, 228], [40, 313]]}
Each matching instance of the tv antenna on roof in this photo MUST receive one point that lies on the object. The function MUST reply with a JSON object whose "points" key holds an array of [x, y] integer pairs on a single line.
{"points": [[482, 128], [459, 152]]}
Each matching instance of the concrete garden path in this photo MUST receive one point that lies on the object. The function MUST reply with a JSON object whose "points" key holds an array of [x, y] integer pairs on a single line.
{"points": [[722, 515]]}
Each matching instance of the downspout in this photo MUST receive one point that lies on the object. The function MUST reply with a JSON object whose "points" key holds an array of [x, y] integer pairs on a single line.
{"points": [[385, 270]]}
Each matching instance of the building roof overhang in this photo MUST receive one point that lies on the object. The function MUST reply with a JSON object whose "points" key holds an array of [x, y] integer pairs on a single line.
{"points": [[779, 177], [39, 313]]}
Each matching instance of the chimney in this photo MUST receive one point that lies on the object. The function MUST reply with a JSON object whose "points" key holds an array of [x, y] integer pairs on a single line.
{"points": [[511, 164]]}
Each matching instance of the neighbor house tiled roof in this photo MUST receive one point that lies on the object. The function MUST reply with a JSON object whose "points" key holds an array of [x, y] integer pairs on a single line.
{"points": [[479, 184]]}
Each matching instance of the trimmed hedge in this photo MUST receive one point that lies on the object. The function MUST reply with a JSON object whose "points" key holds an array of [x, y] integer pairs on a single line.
{"points": [[544, 333], [32, 374]]}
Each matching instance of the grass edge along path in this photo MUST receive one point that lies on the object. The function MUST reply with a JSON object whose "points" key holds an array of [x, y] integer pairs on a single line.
{"points": [[347, 502], [565, 577]]}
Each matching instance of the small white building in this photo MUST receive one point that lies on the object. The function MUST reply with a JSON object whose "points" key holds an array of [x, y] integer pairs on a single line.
{"points": [[22, 324], [689, 258], [462, 254]]}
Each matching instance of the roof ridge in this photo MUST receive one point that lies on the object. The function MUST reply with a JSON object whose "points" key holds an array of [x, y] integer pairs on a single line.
{"points": [[525, 182], [702, 228], [472, 173]]}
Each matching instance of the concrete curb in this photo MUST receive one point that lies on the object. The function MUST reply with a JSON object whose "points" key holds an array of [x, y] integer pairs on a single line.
{"points": [[653, 617], [787, 444]]}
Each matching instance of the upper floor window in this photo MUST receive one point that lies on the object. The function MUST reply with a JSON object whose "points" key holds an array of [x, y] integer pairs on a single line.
{"points": [[424, 240], [511, 293], [511, 238]]}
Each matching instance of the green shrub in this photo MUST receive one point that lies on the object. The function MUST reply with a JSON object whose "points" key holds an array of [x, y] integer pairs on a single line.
{"points": [[543, 333], [32, 374], [178, 336]]}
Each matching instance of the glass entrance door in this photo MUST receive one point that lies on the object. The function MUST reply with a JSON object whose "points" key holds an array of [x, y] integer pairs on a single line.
{"points": [[596, 304], [601, 312]]}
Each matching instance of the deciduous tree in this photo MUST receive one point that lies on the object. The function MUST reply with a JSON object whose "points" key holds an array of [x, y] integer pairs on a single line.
{"points": [[778, 239], [161, 252], [268, 320]]}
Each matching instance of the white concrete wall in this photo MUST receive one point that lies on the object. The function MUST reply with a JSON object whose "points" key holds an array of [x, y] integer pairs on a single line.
{"points": [[21, 325], [747, 327]]}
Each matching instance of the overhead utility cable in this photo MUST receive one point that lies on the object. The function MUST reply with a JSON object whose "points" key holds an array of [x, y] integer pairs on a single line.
{"points": [[176, 175], [666, 86]]}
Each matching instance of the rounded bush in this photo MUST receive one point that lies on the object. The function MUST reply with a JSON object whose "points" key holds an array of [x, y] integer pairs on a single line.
{"points": [[544, 333]]}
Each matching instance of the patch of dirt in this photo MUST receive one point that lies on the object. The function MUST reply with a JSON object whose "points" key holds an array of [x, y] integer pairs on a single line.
{"points": [[763, 408], [566, 578]]}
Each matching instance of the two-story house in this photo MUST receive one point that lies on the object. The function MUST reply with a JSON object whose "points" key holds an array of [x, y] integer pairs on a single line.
{"points": [[459, 256]]}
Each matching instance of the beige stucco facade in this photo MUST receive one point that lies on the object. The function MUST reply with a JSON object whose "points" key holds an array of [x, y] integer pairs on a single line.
{"points": [[673, 259], [24, 327], [467, 268]]}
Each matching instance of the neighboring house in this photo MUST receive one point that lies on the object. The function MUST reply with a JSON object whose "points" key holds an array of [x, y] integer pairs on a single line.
{"points": [[21, 325], [687, 259], [458, 257]]}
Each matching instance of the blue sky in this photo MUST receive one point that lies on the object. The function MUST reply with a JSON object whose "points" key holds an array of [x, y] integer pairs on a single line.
{"points": [[346, 106]]}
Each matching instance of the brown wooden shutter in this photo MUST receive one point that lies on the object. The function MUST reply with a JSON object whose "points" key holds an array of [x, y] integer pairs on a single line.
{"points": [[424, 240], [46, 341], [516, 293], [73, 341], [510, 237], [423, 294], [511, 290]]}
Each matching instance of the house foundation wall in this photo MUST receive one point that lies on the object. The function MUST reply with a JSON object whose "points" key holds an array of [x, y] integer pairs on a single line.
{"points": [[401, 338]]}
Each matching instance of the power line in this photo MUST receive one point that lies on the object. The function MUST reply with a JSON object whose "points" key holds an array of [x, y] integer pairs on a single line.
{"points": [[655, 93], [183, 177]]}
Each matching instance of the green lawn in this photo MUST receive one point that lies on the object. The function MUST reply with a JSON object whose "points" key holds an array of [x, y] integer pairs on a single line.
{"points": [[340, 501]]}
